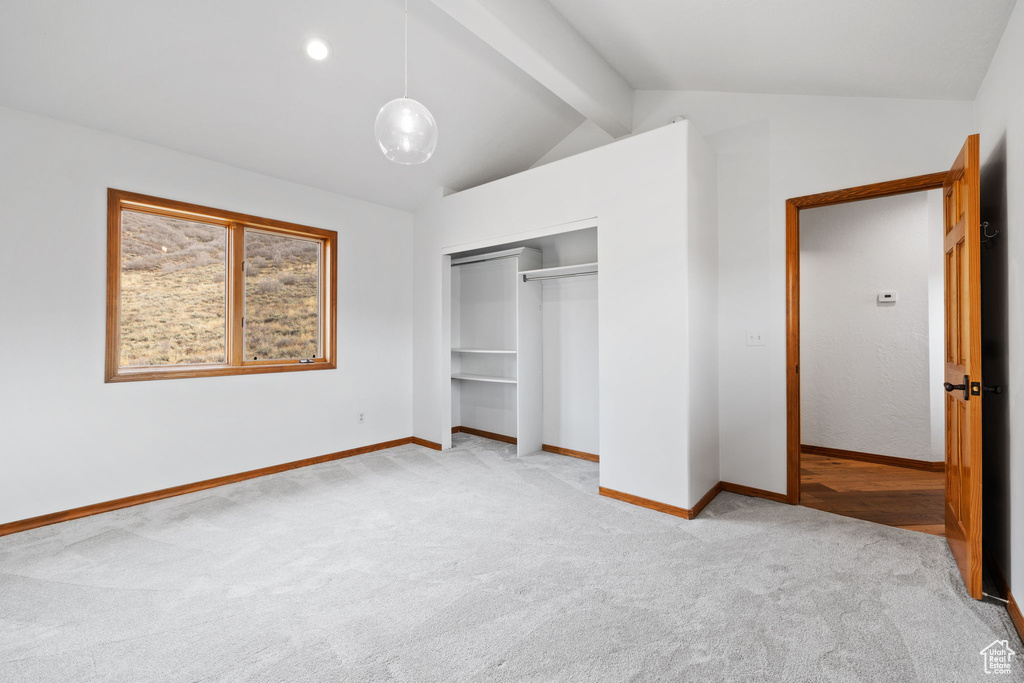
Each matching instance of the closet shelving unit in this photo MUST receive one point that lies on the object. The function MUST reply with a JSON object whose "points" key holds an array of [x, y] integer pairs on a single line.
{"points": [[471, 377], [497, 347]]}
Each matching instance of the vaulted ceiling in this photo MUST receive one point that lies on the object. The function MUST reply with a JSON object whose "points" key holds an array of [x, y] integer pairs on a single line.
{"points": [[227, 80], [926, 49], [505, 79]]}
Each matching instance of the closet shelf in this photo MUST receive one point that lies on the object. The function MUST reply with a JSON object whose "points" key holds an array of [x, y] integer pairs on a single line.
{"points": [[492, 256], [559, 271], [504, 351], [484, 378]]}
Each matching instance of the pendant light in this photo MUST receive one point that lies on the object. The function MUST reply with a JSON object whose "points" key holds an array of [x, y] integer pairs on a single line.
{"points": [[405, 129]]}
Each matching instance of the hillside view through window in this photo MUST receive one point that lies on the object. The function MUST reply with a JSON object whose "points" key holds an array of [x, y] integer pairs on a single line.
{"points": [[200, 292], [282, 284], [173, 291]]}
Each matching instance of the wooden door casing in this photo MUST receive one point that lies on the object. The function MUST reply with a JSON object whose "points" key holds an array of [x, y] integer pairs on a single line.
{"points": [[889, 188]]}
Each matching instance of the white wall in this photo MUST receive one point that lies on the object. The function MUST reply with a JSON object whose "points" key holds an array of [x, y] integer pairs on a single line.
{"points": [[771, 148], [865, 367], [637, 190], [702, 293], [67, 439], [999, 112], [571, 407]]}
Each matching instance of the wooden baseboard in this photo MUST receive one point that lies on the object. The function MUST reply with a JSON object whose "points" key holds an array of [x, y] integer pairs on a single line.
{"points": [[701, 504], [423, 442], [1015, 615], [558, 450], [708, 497], [646, 503], [754, 493], [1003, 586], [873, 458], [662, 507], [486, 435], [130, 501]]}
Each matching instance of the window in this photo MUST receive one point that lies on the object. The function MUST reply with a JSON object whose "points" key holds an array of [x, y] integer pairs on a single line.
{"points": [[196, 292]]}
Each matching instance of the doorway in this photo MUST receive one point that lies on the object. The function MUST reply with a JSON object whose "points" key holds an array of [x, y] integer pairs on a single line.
{"points": [[794, 206], [871, 324], [963, 386]]}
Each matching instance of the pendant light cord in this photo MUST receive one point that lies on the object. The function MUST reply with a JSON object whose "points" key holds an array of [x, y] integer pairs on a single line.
{"points": [[406, 49]]}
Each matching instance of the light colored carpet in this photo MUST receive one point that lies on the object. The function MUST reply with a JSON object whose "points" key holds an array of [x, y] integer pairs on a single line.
{"points": [[474, 565]]}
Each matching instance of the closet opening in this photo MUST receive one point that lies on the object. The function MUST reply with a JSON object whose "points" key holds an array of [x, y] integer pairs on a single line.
{"points": [[520, 319]]}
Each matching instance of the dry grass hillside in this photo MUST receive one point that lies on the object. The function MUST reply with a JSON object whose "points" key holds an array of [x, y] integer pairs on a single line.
{"points": [[173, 299]]}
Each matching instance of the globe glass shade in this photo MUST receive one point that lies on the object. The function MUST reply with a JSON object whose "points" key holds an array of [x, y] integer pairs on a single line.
{"points": [[406, 131]]}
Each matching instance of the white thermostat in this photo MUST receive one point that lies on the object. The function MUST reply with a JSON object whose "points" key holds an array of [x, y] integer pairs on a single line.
{"points": [[887, 297]]}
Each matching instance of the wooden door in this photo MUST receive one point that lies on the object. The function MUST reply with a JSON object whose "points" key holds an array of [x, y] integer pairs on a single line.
{"points": [[963, 364]]}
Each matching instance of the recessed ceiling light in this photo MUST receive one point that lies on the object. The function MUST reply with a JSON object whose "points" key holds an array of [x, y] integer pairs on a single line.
{"points": [[317, 48]]}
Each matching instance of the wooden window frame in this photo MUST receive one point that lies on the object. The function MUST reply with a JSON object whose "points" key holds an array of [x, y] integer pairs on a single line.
{"points": [[235, 224]]}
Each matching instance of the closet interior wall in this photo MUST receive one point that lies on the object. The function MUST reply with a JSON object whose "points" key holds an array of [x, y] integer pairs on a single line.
{"points": [[571, 406]]}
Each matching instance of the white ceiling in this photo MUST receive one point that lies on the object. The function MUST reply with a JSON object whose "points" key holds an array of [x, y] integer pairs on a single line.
{"points": [[227, 80], [928, 49]]}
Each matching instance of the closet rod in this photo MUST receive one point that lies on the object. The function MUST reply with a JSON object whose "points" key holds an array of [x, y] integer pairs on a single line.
{"points": [[527, 278]]}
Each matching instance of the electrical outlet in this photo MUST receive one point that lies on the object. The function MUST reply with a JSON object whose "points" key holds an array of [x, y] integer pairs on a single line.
{"points": [[362, 418], [755, 338]]}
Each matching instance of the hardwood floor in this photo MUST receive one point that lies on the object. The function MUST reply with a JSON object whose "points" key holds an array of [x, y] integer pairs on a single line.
{"points": [[895, 496]]}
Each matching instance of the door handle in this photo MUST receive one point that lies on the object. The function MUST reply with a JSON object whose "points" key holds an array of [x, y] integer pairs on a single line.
{"points": [[965, 387]]}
